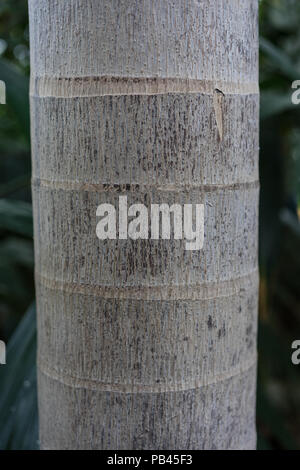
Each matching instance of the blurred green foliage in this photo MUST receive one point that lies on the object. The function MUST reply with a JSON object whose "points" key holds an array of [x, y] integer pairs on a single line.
{"points": [[18, 402], [16, 253], [278, 398]]}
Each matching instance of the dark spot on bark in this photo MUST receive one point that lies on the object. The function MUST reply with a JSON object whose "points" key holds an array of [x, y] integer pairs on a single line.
{"points": [[210, 323], [219, 91], [221, 332]]}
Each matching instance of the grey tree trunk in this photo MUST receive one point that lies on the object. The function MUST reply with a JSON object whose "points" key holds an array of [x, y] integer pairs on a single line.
{"points": [[141, 343]]}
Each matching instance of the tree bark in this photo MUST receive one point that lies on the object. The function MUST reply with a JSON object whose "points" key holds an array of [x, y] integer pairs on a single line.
{"points": [[141, 343]]}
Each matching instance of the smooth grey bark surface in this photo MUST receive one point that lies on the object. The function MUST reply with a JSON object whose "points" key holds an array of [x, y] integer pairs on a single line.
{"points": [[142, 344]]}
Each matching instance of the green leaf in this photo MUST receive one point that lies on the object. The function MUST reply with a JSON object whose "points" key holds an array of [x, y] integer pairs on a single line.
{"points": [[16, 216], [17, 94], [18, 398], [15, 184], [279, 59], [274, 102], [16, 251]]}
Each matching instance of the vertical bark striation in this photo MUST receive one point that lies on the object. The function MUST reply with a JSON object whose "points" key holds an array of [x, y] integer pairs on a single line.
{"points": [[142, 344]]}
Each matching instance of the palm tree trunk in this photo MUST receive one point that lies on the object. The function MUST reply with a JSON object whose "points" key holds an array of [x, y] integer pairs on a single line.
{"points": [[143, 344]]}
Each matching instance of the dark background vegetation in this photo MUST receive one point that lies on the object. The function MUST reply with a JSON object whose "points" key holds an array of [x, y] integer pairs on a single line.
{"points": [[278, 398]]}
